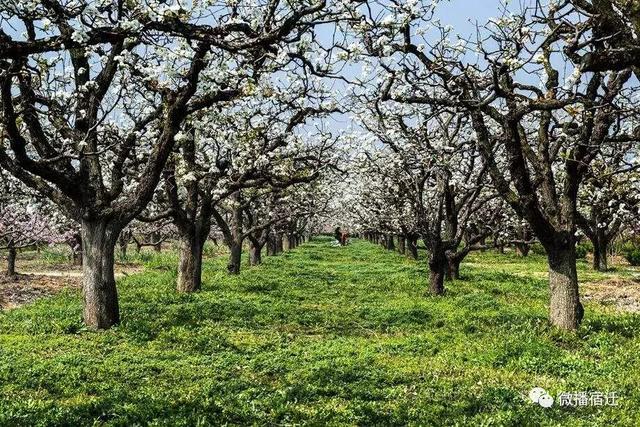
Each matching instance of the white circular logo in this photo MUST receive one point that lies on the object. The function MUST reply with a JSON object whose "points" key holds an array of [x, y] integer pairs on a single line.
{"points": [[546, 401], [540, 396], [535, 394]]}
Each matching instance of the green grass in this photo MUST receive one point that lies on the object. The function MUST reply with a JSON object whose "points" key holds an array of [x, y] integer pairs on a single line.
{"points": [[318, 336]]}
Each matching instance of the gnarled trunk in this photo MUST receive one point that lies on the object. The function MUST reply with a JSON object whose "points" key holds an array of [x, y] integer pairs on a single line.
{"points": [[565, 309], [99, 291], [235, 257], [279, 244], [190, 266]]}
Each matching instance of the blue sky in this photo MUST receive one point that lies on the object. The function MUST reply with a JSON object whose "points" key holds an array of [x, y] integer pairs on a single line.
{"points": [[463, 16]]}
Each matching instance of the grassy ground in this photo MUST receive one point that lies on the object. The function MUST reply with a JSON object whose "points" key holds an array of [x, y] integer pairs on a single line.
{"points": [[318, 336]]}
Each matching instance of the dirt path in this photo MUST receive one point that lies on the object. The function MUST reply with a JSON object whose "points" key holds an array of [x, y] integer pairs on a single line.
{"points": [[30, 286], [77, 273], [622, 294], [618, 292], [25, 289]]}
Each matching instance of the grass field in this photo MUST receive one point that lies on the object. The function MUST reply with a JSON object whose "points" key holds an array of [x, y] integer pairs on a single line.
{"points": [[321, 335]]}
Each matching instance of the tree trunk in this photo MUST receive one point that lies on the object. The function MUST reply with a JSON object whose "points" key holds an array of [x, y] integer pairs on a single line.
{"points": [[600, 248], [235, 257], [437, 271], [190, 267], [412, 245], [77, 257], [402, 245], [76, 249], [389, 242], [123, 242], [155, 237], [453, 272], [522, 249], [565, 310], [255, 254], [271, 246], [99, 291], [11, 261], [279, 244]]}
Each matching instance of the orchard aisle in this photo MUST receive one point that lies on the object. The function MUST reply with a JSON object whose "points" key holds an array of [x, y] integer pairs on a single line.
{"points": [[319, 335]]}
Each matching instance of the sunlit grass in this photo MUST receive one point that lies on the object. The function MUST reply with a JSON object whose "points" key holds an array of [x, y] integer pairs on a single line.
{"points": [[320, 335]]}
